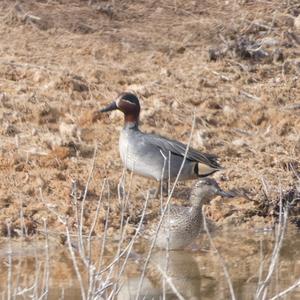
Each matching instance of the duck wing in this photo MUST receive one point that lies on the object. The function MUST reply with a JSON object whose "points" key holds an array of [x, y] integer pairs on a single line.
{"points": [[178, 148]]}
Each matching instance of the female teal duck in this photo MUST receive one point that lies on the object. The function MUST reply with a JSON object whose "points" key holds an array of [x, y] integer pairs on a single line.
{"points": [[181, 225]]}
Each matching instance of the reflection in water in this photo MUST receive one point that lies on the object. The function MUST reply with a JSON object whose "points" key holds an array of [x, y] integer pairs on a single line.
{"points": [[178, 269], [192, 274], [198, 274], [30, 268]]}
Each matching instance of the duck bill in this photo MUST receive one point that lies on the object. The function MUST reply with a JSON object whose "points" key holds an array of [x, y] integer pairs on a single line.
{"points": [[225, 194], [109, 107]]}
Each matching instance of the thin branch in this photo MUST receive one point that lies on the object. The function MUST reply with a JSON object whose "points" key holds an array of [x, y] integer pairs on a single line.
{"points": [[134, 238], [262, 288], [9, 252], [80, 240], [170, 283], [226, 273], [47, 264], [75, 264], [165, 209], [286, 291]]}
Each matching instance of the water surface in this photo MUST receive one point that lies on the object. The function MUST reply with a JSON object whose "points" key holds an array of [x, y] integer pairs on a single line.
{"points": [[194, 273]]}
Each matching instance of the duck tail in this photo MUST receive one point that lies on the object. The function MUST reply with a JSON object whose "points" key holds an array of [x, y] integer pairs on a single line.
{"points": [[203, 169]]}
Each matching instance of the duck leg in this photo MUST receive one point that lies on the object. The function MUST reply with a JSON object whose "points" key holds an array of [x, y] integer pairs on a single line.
{"points": [[155, 192], [162, 189], [158, 191]]}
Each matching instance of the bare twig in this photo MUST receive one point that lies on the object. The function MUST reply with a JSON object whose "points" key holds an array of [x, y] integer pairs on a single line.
{"points": [[250, 96], [75, 263], [170, 283], [80, 240], [226, 273], [164, 211], [9, 258], [262, 288], [286, 291], [47, 264], [294, 106], [133, 239]]}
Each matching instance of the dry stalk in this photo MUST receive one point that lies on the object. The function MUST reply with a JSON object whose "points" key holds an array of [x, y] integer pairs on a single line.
{"points": [[98, 278], [262, 289], [80, 240], [160, 190], [75, 263], [22, 223], [60, 217], [261, 265], [265, 187], [121, 188], [86, 260], [221, 259], [133, 239], [92, 282], [32, 66], [38, 266], [95, 273], [165, 209], [121, 240], [123, 202], [9, 258], [17, 281], [286, 291], [95, 218], [169, 282], [126, 204], [45, 285], [103, 240], [249, 96]]}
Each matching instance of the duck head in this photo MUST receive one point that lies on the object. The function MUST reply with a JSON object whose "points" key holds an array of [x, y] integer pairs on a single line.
{"points": [[127, 103], [205, 190]]}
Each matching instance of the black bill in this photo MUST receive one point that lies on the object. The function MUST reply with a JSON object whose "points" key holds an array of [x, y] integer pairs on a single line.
{"points": [[109, 107]]}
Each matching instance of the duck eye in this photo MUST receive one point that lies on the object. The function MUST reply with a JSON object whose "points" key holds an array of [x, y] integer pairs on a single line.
{"points": [[128, 101]]}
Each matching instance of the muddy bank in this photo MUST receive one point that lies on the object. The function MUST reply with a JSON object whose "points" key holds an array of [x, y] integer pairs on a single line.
{"points": [[237, 66]]}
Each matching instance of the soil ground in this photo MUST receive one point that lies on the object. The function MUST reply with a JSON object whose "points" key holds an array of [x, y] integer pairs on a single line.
{"points": [[235, 64]]}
